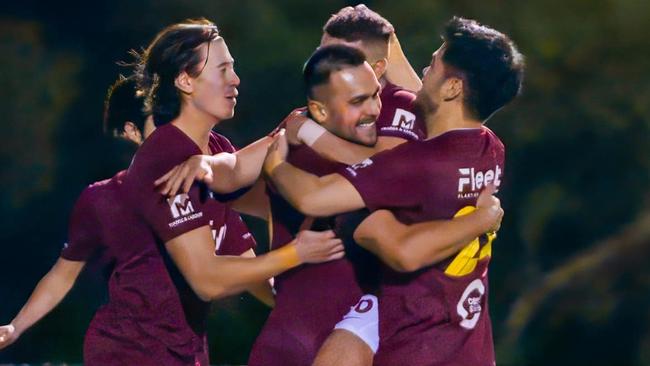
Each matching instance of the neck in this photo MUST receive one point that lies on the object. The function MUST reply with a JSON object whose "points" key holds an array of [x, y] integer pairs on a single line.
{"points": [[447, 119], [383, 81], [197, 125]]}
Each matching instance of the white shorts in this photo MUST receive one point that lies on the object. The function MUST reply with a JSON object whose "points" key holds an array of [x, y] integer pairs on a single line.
{"points": [[363, 321]]}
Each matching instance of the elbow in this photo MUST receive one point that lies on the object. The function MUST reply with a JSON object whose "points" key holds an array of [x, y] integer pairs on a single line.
{"points": [[308, 207], [210, 293], [404, 262]]}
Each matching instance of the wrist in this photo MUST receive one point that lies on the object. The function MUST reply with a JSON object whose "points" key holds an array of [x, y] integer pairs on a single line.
{"points": [[289, 256], [309, 132]]}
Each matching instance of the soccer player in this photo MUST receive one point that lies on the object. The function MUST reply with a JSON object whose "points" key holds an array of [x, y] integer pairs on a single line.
{"points": [[362, 28], [170, 272], [436, 315], [123, 118]]}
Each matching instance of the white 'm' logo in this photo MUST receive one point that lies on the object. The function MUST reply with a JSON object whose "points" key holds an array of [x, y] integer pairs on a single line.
{"points": [[403, 119], [473, 302], [180, 205]]}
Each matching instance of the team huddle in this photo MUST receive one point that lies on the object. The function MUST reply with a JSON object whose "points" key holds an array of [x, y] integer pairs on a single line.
{"points": [[379, 197]]}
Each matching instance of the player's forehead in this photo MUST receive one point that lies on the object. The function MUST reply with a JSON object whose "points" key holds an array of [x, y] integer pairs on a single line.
{"points": [[354, 80], [218, 52]]}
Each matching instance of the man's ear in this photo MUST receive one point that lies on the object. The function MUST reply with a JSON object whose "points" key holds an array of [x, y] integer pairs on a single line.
{"points": [[317, 110], [452, 88], [379, 67], [184, 83]]}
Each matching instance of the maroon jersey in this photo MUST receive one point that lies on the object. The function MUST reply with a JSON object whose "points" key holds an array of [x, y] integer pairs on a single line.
{"points": [[311, 299], [434, 316], [397, 118], [152, 317]]}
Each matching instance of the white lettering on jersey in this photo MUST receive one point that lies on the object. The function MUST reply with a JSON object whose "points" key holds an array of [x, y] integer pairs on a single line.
{"points": [[403, 119], [352, 169], [478, 179], [473, 313], [218, 238]]}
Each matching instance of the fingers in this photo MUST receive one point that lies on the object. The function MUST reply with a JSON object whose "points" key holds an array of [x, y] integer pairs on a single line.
{"points": [[165, 177], [490, 189]]}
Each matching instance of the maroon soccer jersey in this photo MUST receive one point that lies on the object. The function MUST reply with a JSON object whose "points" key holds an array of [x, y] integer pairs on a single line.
{"points": [[311, 299], [431, 317], [397, 118], [152, 317]]}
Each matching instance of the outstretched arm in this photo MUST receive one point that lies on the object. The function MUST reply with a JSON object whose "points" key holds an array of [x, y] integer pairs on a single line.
{"points": [[399, 70], [223, 172], [263, 291], [213, 277], [308, 193], [49, 292], [407, 248]]}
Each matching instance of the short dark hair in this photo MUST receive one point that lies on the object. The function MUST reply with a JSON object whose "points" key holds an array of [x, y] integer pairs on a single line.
{"points": [[492, 66], [326, 60], [358, 23], [123, 103], [174, 50]]}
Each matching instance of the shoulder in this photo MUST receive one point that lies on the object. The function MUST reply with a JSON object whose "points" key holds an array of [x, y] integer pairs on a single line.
{"points": [[220, 143]]}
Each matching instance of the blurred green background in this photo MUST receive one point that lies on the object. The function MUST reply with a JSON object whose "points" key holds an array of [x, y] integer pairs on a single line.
{"points": [[570, 283]]}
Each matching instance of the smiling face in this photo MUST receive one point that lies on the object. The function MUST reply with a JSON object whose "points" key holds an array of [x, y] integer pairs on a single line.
{"points": [[215, 88], [351, 104]]}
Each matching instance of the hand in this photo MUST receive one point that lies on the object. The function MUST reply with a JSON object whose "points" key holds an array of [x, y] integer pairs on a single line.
{"points": [[8, 335], [318, 246], [490, 206], [183, 175], [277, 153], [292, 124]]}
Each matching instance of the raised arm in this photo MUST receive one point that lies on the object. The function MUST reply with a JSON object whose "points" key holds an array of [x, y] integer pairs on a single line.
{"points": [[213, 277], [312, 195], [49, 292], [223, 172], [399, 70], [407, 248]]}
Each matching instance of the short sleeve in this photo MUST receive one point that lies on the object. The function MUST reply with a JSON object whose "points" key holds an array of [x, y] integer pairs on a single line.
{"points": [[170, 217], [84, 231], [397, 118], [237, 238], [385, 180]]}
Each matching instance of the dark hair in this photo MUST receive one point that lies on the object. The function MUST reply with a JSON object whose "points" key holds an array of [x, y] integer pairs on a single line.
{"points": [[123, 103], [326, 60], [491, 65], [175, 49], [358, 23]]}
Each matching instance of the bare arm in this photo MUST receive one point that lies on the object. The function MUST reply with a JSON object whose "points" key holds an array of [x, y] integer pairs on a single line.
{"points": [[223, 172], [311, 195], [399, 70], [407, 248], [49, 292], [213, 277], [335, 148], [331, 146], [263, 291]]}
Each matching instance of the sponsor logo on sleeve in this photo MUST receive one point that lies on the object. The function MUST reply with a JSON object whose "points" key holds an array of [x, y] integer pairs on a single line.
{"points": [[182, 209], [471, 180], [403, 122], [403, 119], [352, 169]]}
